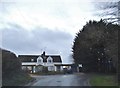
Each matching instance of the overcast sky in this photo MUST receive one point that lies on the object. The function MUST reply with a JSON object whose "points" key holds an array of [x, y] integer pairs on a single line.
{"points": [[32, 26]]}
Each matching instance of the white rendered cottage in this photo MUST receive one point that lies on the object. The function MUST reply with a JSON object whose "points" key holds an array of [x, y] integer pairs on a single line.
{"points": [[35, 63]]}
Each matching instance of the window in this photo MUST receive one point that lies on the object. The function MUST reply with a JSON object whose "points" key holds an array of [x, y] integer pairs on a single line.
{"points": [[49, 60], [39, 60], [50, 68]]}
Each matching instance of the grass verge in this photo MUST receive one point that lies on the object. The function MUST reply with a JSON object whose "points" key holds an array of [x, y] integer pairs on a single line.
{"points": [[103, 80], [20, 79]]}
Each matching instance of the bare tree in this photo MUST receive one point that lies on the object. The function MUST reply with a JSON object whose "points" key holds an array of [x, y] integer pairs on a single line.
{"points": [[109, 11]]}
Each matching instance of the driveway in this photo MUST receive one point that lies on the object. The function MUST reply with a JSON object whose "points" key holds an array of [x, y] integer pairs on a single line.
{"points": [[80, 79]]}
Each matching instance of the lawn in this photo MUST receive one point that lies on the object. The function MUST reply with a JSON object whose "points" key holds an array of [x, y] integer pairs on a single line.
{"points": [[103, 80]]}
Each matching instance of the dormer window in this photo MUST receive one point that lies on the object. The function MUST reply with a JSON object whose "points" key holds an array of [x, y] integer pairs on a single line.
{"points": [[49, 60], [39, 60]]}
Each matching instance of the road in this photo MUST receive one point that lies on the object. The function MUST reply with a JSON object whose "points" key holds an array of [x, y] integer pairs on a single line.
{"points": [[62, 80]]}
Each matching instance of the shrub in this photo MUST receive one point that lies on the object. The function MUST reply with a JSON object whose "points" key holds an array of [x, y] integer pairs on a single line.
{"points": [[12, 74]]}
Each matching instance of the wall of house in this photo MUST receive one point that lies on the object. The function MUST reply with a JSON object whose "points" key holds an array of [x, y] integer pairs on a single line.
{"points": [[37, 66]]}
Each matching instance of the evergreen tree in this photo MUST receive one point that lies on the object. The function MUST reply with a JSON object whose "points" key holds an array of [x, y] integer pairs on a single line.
{"points": [[95, 45]]}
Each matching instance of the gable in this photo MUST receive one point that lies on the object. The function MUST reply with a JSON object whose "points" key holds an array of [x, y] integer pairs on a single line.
{"points": [[40, 59]]}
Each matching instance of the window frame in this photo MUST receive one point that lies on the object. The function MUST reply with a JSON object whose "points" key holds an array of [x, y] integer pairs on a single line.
{"points": [[49, 60], [39, 60]]}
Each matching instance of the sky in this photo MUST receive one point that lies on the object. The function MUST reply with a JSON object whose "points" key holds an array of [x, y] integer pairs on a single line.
{"points": [[34, 26]]}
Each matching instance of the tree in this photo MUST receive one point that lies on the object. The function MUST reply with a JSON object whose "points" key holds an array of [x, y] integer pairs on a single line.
{"points": [[10, 64], [110, 11], [12, 74], [92, 43]]}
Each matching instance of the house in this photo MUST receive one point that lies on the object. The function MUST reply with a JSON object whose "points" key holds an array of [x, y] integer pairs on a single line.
{"points": [[36, 63]]}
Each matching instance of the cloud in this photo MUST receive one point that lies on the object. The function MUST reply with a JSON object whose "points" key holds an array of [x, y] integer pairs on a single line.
{"points": [[21, 41], [65, 15], [30, 26]]}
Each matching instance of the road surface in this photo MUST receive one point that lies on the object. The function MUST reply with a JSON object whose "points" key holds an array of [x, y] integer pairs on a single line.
{"points": [[61, 80]]}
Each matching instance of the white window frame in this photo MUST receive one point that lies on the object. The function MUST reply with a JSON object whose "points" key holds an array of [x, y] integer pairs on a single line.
{"points": [[40, 60], [49, 60]]}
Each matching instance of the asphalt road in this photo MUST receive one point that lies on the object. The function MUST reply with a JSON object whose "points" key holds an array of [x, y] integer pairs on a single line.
{"points": [[62, 80]]}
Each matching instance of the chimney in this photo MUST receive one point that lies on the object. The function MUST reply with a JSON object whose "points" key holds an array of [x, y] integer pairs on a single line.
{"points": [[43, 55]]}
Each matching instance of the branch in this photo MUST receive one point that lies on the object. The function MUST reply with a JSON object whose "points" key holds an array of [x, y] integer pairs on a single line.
{"points": [[113, 20]]}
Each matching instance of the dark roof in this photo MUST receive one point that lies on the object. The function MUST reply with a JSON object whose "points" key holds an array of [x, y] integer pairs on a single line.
{"points": [[27, 58], [56, 58]]}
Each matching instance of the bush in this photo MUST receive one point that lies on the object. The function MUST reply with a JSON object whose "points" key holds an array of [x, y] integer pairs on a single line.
{"points": [[49, 73], [45, 70], [10, 63], [12, 74]]}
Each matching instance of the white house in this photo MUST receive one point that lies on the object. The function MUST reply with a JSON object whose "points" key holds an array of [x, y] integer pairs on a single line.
{"points": [[35, 63]]}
